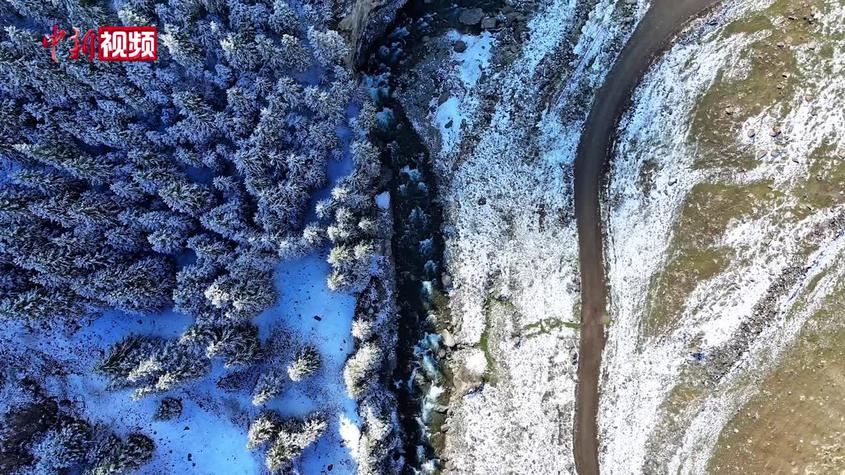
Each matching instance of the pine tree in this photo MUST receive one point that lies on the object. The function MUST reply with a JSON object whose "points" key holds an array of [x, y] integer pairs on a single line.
{"points": [[229, 220], [362, 330], [186, 197], [191, 284], [118, 457], [63, 447], [270, 384], [144, 286], [140, 186], [292, 439], [152, 365], [236, 343], [360, 372], [263, 429], [283, 20], [305, 363], [380, 444], [125, 355], [329, 47], [242, 293]]}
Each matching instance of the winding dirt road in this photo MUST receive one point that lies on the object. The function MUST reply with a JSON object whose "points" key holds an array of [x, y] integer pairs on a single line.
{"points": [[664, 19]]}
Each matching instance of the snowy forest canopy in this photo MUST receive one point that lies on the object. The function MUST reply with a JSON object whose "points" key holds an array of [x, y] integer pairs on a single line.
{"points": [[181, 183], [132, 185]]}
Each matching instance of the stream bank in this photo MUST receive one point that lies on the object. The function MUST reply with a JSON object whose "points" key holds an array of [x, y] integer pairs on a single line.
{"points": [[422, 381]]}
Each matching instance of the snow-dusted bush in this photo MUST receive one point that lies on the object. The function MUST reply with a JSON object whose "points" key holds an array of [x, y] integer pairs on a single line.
{"points": [[169, 408]]}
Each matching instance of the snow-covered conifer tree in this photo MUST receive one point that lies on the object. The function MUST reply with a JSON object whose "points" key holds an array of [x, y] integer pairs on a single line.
{"points": [[263, 429], [270, 384], [292, 439], [118, 457], [305, 363], [63, 447], [329, 47], [361, 370]]}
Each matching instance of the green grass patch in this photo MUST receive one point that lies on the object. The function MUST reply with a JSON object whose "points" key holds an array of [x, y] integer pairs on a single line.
{"points": [[772, 76], [794, 424], [494, 306], [547, 326], [694, 252], [824, 185]]}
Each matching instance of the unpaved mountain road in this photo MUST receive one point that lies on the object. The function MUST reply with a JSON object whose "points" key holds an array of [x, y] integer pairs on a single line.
{"points": [[664, 19]]}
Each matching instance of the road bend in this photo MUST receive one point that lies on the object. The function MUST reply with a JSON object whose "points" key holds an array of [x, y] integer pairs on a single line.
{"points": [[654, 33]]}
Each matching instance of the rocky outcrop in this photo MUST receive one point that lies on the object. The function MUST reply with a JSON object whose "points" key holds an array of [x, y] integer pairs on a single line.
{"points": [[367, 22]]}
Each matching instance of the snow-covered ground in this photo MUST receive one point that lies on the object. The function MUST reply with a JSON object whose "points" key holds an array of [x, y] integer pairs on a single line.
{"points": [[450, 116], [511, 240], [191, 433], [641, 369], [210, 435], [304, 297]]}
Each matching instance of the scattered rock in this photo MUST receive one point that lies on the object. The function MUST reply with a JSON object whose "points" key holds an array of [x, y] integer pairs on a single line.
{"points": [[460, 46], [471, 16], [368, 23], [448, 339], [514, 17], [446, 280], [468, 377]]}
